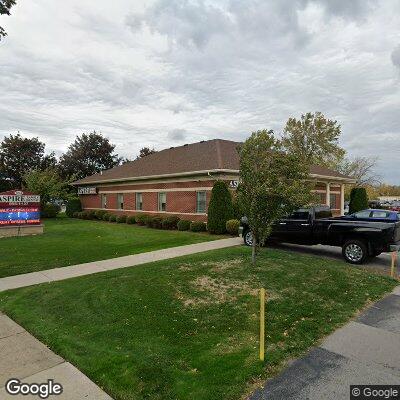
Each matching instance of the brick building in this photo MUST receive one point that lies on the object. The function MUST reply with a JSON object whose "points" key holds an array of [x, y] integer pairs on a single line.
{"points": [[178, 181]]}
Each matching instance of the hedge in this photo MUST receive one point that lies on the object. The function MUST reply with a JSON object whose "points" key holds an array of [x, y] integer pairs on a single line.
{"points": [[184, 225], [131, 220], [100, 214], [170, 222], [198, 226], [113, 218], [141, 219], [106, 216], [156, 222], [232, 226], [50, 210], [358, 200], [121, 219], [73, 205], [220, 208]]}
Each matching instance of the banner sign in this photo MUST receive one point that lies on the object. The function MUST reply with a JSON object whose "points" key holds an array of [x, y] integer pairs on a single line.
{"points": [[19, 208], [87, 190]]}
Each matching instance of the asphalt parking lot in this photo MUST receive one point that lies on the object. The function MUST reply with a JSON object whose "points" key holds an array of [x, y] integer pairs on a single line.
{"points": [[381, 263]]}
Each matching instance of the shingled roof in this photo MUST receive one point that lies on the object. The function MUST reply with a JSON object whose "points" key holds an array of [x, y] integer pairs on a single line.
{"points": [[195, 158]]}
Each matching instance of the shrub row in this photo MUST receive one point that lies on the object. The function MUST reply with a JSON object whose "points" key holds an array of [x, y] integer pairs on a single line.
{"points": [[157, 222]]}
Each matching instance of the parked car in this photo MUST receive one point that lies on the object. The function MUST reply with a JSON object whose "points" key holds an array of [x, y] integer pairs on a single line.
{"points": [[395, 206], [374, 215], [358, 239]]}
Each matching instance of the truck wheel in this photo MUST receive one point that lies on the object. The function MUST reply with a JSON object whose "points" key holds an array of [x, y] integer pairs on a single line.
{"points": [[355, 251], [248, 238]]}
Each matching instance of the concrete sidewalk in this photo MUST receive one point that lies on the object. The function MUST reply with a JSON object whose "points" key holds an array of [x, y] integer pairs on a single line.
{"points": [[363, 352], [58, 274], [25, 358]]}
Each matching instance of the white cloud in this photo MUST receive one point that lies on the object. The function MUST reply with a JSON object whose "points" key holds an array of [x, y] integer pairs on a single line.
{"points": [[148, 73]]}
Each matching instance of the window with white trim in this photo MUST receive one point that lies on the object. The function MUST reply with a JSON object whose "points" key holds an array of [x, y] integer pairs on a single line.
{"points": [[120, 201], [201, 202], [139, 201], [103, 201], [162, 201]]}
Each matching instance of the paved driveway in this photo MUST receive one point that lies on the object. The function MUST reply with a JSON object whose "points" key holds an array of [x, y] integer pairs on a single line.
{"points": [[382, 262], [363, 352]]}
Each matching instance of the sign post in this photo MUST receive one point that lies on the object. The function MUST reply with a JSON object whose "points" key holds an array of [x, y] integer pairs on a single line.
{"points": [[262, 323]]}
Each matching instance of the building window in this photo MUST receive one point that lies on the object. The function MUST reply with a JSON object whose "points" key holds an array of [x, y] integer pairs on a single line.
{"points": [[320, 198], [103, 201], [162, 201], [120, 201], [335, 201], [201, 202], [139, 201]]}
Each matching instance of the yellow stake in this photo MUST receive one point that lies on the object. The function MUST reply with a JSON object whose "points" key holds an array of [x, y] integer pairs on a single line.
{"points": [[393, 263], [262, 323]]}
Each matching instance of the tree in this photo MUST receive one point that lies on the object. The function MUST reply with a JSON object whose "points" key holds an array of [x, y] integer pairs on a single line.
{"points": [[362, 169], [220, 208], [19, 155], [314, 138], [89, 154], [5, 6], [48, 184], [358, 200], [145, 151], [273, 183]]}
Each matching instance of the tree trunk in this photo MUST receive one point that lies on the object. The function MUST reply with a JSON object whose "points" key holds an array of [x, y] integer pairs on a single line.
{"points": [[254, 251]]}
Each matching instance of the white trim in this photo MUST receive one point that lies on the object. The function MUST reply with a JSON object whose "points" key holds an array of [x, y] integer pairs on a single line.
{"points": [[143, 211], [191, 189], [334, 178], [328, 194], [138, 178], [342, 200], [319, 191]]}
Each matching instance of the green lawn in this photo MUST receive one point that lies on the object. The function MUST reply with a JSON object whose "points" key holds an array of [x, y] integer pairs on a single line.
{"points": [[187, 328], [72, 241]]}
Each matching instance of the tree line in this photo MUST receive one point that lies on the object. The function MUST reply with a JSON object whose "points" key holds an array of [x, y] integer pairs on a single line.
{"points": [[24, 163]]}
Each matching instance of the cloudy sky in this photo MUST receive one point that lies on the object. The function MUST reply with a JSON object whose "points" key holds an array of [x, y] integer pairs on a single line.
{"points": [[168, 72]]}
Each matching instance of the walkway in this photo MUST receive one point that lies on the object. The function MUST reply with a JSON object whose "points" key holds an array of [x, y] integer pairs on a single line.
{"points": [[58, 274], [25, 358], [363, 352]]}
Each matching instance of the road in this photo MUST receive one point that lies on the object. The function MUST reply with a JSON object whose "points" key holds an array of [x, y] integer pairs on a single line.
{"points": [[381, 263]]}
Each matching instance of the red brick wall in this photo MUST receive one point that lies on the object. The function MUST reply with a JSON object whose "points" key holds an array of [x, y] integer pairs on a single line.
{"points": [[90, 201], [181, 203]]}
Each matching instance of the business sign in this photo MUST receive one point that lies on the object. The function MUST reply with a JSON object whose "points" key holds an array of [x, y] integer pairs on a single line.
{"points": [[87, 190], [19, 208], [233, 184]]}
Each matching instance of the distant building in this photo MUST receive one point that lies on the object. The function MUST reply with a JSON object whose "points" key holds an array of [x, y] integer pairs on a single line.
{"points": [[178, 181]]}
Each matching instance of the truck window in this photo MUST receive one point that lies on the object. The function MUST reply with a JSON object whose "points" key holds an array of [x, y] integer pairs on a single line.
{"points": [[322, 212], [302, 214], [380, 214], [363, 214]]}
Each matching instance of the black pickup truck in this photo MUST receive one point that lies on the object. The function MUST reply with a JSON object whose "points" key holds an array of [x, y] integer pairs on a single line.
{"points": [[359, 240]]}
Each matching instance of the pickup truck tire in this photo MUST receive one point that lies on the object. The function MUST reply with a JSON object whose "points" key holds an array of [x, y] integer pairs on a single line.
{"points": [[355, 251], [248, 238]]}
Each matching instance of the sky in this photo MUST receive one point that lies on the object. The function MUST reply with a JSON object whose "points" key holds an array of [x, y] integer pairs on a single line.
{"points": [[168, 72]]}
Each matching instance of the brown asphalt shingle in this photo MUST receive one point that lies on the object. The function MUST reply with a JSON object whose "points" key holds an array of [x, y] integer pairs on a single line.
{"points": [[201, 156]]}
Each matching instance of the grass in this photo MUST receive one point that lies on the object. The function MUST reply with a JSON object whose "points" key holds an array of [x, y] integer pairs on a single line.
{"points": [[71, 241], [187, 328]]}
